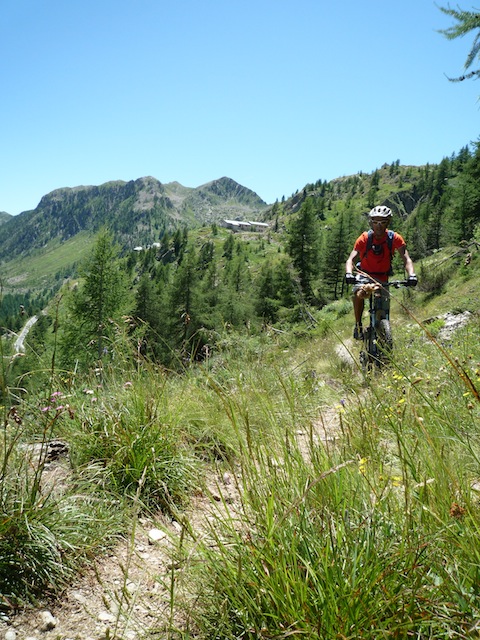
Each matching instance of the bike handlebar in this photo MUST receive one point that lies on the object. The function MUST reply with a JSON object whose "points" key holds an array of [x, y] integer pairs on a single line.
{"points": [[390, 283]]}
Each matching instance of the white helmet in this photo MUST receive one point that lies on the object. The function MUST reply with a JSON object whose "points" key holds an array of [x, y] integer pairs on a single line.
{"points": [[380, 212]]}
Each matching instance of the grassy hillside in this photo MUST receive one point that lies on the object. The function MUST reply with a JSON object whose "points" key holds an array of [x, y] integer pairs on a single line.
{"points": [[355, 510], [359, 512], [46, 268]]}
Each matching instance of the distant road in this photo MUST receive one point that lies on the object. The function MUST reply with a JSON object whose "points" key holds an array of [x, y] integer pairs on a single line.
{"points": [[19, 346]]}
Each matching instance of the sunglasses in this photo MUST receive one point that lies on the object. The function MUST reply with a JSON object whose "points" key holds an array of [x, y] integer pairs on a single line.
{"points": [[382, 222]]}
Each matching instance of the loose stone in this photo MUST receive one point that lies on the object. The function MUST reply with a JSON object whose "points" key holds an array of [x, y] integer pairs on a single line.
{"points": [[155, 535], [47, 621]]}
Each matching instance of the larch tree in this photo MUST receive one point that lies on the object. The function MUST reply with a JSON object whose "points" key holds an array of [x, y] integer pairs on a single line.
{"points": [[182, 305], [96, 304], [337, 247], [148, 315], [303, 246], [466, 21]]}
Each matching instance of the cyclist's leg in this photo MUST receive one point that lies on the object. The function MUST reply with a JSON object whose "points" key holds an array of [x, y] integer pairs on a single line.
{"points": [[358, 307]]}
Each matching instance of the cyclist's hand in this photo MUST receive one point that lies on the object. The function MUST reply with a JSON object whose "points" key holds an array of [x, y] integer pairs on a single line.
{"points": [[412, 281], [350, 278]]}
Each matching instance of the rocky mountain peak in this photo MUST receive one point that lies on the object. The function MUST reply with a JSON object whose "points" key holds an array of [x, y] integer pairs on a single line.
{"points": [[137, 212]]}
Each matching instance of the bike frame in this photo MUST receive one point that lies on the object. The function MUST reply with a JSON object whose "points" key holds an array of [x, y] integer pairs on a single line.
{"points": [[371, 353]]}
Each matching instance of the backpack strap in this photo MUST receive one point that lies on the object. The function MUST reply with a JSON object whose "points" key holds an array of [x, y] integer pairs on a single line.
{"points": [[390, 248], [389, 242], [369, 242]]}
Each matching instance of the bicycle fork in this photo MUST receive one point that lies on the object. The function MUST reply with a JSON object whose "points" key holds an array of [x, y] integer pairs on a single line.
{"points": [[371, 353]]}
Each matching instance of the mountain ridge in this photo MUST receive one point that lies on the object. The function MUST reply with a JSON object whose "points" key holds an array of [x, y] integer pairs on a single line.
{"points": [[48, 243], [4, 217], [138, 211]]}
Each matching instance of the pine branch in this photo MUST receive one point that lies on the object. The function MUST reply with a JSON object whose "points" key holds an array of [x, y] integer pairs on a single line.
{"points": [[466, 76]]}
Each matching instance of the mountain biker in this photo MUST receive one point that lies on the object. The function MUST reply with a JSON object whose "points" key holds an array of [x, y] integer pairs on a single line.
{"points": [[376, 251]]}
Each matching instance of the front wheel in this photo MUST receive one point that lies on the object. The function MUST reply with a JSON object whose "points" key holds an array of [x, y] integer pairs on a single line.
{"points": [[365, 362], [367, 354], [385, 340]]}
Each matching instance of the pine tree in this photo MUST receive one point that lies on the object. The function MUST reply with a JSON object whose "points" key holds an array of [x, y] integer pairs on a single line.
{"points": [[228, 246], [147, 312], [236, 301], [372, 193], [206, 255], [336, 248], [267, 301], [209, 289], [285, 279], [96, 305], [464, 204], [182, 311], [303, 246]]}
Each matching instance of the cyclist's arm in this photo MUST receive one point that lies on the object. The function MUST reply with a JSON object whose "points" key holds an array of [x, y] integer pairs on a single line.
{"points": [[407, 261], [349, 263]]}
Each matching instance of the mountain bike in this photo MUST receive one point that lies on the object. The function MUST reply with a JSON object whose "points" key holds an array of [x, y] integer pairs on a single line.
{"points": [[377, 337]]}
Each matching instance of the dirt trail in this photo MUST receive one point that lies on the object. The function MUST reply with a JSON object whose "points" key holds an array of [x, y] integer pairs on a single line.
{"points": [[124, 594], [127, 593], [19, 345]]}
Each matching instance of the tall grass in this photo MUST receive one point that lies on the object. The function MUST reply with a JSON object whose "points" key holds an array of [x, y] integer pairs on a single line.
{"points": [[368, 531], [375, 538], [124, 456], [45, 532], [132, 438]]}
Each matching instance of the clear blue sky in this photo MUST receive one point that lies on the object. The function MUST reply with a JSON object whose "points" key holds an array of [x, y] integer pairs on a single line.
{"points": [[272, 93]]}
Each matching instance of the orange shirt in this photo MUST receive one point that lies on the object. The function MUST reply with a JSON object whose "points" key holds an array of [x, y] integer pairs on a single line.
{"points": [[377, 261]]}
